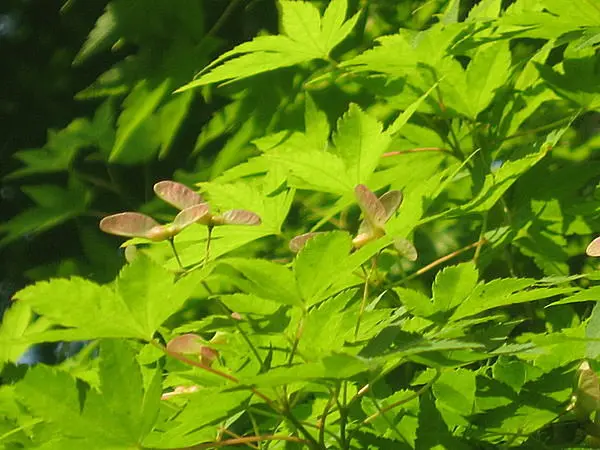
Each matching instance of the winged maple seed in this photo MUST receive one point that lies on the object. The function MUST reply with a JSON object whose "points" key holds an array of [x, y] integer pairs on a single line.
{"points": [[376, 212], [132, 224], [298, 242], [192, 344], [586, 398], [182, 197], [193, 210], [594, 248]]}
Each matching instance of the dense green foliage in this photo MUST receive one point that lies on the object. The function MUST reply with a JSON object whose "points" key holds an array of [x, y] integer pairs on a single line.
{"points": [[455, 308]]}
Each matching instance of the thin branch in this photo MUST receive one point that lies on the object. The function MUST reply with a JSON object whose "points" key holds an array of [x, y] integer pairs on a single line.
{"points": [[310, 440], [217, 372], [245, 440], [235, 435], [172, 244], [415, 150], [321, 423], [441, 260]]}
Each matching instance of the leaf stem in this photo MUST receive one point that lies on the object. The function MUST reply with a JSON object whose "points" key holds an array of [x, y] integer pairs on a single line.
{"points": [[481, 238], [332, 396], [310, 440], [363, 301], [237, 436], [207, 251], [343, 414], [20, 428], [172, 244], [299, 331]]}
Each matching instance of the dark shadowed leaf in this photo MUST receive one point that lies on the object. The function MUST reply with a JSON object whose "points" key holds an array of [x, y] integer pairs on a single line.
{"points": [[297, 243], [594, 248], [240, 217], [370, 205], [177, 194], [129, 224]]}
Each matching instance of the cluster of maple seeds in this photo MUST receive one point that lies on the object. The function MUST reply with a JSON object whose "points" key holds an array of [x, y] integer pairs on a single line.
{"points": [[376, 212], [193, 209]]}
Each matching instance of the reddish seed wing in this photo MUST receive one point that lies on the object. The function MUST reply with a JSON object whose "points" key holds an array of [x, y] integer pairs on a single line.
{"points": [[370, 205], [391, 201], [186, 344], [240, 217], [594, 248], [129, 224], [177, 194], [587, 392], [197, 213], [298, 243], [365, 228], [406, 248]]}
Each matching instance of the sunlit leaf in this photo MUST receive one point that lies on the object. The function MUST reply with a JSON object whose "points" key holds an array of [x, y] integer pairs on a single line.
{"points": [[360, 142], [453, 285], [318, 264]]}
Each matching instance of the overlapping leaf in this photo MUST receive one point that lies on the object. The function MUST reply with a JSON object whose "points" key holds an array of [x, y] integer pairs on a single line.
{"points": [[122, 406], [145, 295], [306, 36]]}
